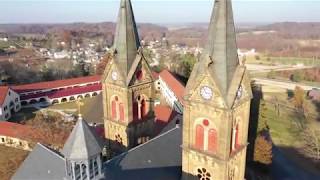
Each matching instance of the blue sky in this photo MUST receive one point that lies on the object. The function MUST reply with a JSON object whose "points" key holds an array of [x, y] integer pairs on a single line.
{"points": [[155, 11]]}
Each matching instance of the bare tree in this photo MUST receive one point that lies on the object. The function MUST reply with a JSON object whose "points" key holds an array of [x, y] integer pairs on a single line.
{"points": [[311, 138]]}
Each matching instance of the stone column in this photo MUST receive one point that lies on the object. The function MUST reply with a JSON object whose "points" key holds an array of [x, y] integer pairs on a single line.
{"points": [[73, 166], [88, 170], [99, 165], [139, 110], [233, 142], [81, 171]]}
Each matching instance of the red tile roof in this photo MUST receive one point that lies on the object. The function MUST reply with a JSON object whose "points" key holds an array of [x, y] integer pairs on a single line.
{"points": [[164, 115], [174, 84], [56, 84], [3, 93], [18, 131], [64, 92]]}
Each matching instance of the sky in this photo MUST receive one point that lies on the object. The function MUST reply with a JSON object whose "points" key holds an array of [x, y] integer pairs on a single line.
{"points": [[155, 11]]}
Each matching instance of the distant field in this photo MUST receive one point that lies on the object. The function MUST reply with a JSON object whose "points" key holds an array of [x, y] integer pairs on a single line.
{"points": [[4, 45], [285, 61]]}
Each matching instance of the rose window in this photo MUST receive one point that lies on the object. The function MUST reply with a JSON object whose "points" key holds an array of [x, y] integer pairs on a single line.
{"points": [[118, 139], [203, 174]]}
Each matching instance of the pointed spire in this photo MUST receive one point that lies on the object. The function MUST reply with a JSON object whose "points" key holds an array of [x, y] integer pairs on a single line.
{"points": [[82, 142], [221, 47], [127, 40]]}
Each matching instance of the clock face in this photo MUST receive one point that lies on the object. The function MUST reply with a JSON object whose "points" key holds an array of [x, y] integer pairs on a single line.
{"points": [[206, 93], [239, 92], [114, 75]]}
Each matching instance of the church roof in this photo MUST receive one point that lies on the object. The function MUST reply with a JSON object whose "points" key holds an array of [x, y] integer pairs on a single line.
{"points": [[41, 163], [127, 40], [82, 142], [150, 160]]}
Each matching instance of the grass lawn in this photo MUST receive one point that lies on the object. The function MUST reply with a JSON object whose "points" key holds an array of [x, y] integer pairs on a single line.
{"points": [[286, 133], [10, 160], [283, 127], [73, 106], [92, 109]]}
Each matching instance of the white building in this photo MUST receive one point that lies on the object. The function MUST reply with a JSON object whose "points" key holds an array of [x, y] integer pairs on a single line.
{"points": [[9, 102], [172, 90], [61, 55], [5, 39]]}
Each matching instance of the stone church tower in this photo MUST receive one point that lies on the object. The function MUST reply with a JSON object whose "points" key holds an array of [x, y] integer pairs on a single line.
{"points": [[217, 105], [128, 87]]}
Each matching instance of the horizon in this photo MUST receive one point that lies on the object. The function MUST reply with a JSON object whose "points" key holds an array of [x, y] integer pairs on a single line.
{"points": [[97, 11]]}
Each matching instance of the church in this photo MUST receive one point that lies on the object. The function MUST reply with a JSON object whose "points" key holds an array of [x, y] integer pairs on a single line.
{"points": [[210, 142]]}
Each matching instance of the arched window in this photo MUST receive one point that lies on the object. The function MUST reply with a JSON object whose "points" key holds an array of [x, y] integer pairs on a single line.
{"points": [[206, 136], [235, 141], [77, 171], [114, 108], [143, 108], [140, 107], [237, 136], [199, 141], [121, 109], [84, 171], [96, 168], [212, 141], [91, 168]]}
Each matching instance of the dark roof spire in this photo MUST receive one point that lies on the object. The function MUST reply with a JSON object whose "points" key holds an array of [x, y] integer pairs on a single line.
{"points": [[127, 40], [221, 46]]}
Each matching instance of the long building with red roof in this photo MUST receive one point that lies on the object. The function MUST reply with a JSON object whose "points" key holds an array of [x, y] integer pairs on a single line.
{"points": [[172, 90], [59, 91], [17, 135]]}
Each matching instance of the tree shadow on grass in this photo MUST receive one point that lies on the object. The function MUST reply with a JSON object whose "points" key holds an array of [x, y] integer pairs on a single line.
{"points": [[292, 162], [23, 115], [317, 104]]}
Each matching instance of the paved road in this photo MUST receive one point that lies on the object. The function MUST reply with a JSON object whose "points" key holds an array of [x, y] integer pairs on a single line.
{"points": [[257, 68], [282, 84], [284, 169]]}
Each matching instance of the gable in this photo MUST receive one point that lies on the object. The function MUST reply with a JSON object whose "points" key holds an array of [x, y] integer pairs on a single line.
{"points": [[141, 74], [3, 94], [244, 91], [206, 91], [113, 75]]}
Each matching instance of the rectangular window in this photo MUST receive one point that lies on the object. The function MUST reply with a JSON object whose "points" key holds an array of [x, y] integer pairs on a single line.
{"points": [[2, 140]]}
